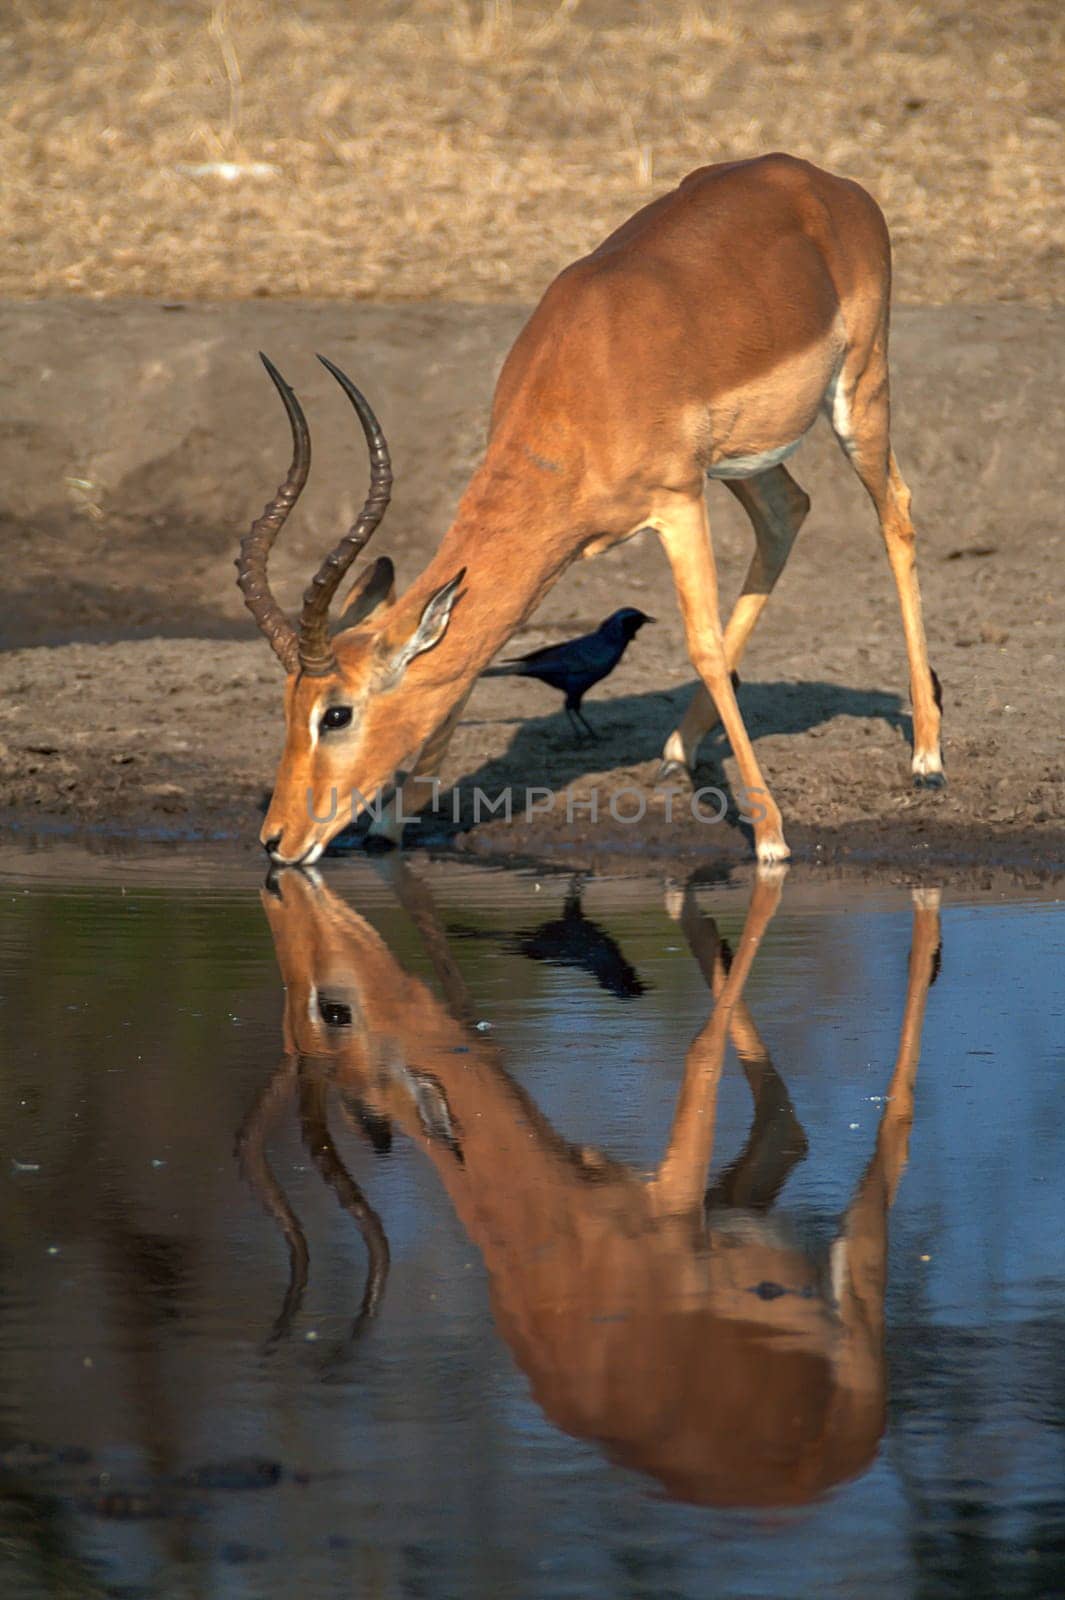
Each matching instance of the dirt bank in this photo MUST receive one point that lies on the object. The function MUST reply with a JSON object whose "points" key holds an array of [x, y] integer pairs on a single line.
{"points": [[137, 441], [466, 149]]}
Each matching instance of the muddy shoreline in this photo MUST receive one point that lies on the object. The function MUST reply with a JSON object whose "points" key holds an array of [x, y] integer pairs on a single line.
{"points": [[1000, 860]]}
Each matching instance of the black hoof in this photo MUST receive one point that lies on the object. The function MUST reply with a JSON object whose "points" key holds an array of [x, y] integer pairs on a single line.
{"points": [[929, 780], [670, 771]]}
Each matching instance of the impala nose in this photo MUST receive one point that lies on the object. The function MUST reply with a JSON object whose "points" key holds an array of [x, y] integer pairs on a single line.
{"points": [[272, 844]]}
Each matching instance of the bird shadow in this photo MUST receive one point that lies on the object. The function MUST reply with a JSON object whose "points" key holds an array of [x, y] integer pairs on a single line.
{"points": [[632, 729]]}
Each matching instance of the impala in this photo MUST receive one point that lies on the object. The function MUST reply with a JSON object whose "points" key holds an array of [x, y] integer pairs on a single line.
{"points": [[702, 338], [686, 1332]]}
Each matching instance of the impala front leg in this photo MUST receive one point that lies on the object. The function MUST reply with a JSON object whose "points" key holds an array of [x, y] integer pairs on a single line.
{"points": [[685, 535]]}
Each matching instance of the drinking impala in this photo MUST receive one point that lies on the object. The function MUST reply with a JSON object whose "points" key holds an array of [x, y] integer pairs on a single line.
{"points": [[702, 338]]}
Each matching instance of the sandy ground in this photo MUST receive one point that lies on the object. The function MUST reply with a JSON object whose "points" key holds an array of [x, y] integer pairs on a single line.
{"points": [[136, 699], [466, 149]]}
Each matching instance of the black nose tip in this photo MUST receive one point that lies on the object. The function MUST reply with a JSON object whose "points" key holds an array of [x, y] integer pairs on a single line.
{"points": [[271, 844]]}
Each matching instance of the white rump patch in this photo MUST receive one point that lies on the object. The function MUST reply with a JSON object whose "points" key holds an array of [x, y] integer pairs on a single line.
{"points": [[838, 412]]}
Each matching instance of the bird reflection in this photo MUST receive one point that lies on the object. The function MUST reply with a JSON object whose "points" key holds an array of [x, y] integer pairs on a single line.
{"points": [[575, 941], [682, 1330], [572, 941]]}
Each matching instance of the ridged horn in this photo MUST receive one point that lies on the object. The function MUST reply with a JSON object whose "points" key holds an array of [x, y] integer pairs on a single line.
{"points": [[316, 655], [257, 543]]}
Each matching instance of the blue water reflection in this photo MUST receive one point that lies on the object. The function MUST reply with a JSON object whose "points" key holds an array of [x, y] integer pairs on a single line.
{"points": [[168, 1311]]}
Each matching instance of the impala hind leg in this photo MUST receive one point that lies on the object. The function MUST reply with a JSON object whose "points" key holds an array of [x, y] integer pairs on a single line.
{"points": [[859, 1255], [686, 539], [860, 423], [777, 508], [680, 1181]]}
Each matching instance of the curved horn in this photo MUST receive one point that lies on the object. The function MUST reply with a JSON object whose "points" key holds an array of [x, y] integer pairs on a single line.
{"points": [[315, 650], [250, 1151], [314, 1125], [256, 545]]}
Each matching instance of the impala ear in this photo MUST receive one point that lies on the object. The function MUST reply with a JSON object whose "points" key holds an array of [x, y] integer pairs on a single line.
{"points": [[376, 586], [430, 630]]}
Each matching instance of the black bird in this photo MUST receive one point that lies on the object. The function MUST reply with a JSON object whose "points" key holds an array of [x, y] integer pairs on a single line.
{"points": [[573, 667]]}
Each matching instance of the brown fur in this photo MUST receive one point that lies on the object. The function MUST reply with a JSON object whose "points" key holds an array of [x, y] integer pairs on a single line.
{"points": [[713, 326]]}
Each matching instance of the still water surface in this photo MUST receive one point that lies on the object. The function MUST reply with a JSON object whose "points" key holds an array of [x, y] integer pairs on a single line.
{"points": [[417, 1231]]}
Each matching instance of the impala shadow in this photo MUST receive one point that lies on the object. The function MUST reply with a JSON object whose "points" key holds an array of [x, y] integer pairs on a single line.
{"points": [[674, 1322], [631, 730]]}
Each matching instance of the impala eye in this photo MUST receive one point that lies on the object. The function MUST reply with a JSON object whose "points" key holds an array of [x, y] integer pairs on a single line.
{"points": [[334, 1013], [335, 717]]}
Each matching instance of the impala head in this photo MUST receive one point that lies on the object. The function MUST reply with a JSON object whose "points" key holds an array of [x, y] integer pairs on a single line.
{"points": [[328, 958], [349, 1002], [348, 732]]}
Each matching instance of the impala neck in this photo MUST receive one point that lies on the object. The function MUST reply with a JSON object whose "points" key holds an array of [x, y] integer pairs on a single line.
{"points": [[515, 533]]}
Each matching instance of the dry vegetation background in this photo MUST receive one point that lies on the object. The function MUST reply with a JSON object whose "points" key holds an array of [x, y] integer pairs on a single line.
{"points": [[466, 149]]}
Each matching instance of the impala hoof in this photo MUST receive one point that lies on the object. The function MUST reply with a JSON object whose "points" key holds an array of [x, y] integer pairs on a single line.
{"points": [[926, 899], [671, 771], [929, 780], [772, 851], [673, 899]]}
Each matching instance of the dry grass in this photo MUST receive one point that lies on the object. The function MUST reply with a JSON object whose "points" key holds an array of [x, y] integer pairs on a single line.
{"points": [[467, 149]]}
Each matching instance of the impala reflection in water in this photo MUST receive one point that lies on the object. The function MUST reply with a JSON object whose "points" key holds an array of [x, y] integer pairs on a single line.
{"points": [[682, 1331]]}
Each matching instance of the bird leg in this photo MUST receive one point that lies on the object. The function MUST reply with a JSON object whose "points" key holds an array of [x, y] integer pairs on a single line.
{"points": [[582, 728]]}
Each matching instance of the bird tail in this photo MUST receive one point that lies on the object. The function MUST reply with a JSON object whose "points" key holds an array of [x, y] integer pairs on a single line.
{"points": [[504, 669]]}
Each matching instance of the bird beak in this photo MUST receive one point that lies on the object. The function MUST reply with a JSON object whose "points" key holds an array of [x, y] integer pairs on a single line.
{"points": [[650, 619]]}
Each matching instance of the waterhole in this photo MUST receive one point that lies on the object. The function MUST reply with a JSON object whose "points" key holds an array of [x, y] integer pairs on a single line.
{"points": [[415, 1230]]}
